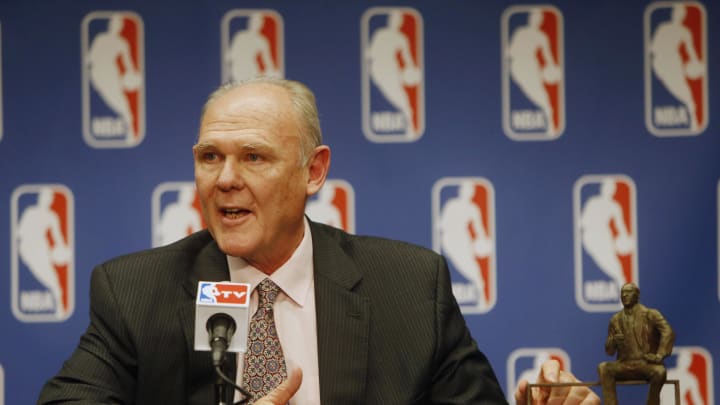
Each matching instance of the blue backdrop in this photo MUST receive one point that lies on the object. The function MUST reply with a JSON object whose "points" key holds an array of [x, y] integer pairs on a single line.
{"points": [[549, 151]]}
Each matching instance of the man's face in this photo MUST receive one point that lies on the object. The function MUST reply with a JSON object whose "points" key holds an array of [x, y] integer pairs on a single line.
{"points": [[629, 296], [249, 177]]}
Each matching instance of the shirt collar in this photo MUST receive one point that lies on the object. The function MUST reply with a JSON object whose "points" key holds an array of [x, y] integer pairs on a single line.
{"points": [[294, 277]]}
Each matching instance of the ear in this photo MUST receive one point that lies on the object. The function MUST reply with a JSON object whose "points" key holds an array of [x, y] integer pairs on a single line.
{"points": [[318, 169]]}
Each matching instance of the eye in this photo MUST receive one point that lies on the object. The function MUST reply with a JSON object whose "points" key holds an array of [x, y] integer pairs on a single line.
{"points": [[254, 157], [208, 156]]}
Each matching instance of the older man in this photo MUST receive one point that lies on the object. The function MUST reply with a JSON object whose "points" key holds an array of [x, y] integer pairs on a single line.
{"points": [[355, 320]]}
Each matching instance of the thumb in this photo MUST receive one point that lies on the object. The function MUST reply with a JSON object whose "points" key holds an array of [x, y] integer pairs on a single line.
{"points": [[549, 372], [283, 392]]}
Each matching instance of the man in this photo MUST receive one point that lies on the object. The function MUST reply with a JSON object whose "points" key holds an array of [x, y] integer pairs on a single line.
{"points": [[360, 320], [642, 338]]}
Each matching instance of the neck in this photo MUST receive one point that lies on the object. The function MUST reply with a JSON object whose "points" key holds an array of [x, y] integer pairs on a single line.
{"points": [[271, 263]]}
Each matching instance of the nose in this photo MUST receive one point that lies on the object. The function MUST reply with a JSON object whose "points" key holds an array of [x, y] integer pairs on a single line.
{"points": [[230, 175]]}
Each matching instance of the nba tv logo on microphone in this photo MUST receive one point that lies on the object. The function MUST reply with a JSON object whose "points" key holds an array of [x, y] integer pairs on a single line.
{"points": [[533, 73], [393, 74], [232, 299], [606, 246], [676, 69], [42, 253], [223, 293], [113, 79], [463, 212]]}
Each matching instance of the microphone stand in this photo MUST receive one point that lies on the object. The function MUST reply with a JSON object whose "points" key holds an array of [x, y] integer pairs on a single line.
{"points": [[221, 328], [224, 388], [221, 388]]}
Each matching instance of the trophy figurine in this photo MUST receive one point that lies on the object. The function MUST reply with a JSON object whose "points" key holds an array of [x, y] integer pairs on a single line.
{"points": [[642, 339]]}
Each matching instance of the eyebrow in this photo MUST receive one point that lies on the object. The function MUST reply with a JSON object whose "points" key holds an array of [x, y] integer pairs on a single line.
{"points": [[200, 146]]}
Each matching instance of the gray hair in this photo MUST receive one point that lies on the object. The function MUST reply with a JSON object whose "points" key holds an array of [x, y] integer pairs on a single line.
{"points": [[303, 101]]}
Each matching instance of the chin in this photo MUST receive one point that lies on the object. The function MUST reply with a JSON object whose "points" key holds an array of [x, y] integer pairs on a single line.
{"points": [[234, 248]]}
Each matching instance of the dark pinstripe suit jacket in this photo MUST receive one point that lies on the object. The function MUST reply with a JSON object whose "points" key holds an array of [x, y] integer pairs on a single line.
{"points": [[389, 329]]}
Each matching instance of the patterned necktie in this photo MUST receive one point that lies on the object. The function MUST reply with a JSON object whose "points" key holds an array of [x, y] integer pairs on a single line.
{"points": [[264, 367]]}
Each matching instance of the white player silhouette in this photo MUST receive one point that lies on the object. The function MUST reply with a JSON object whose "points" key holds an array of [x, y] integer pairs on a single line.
{"points": [[525, 69], [245, 48], [36, 251], [321, 209], [105, 74], [688, 381], [597, 234], [667, 61], [457, 242], [385, 70], [179, 219]]}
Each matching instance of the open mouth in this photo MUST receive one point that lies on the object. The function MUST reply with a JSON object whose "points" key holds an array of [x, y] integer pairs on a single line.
{"points": [[234, 213]]}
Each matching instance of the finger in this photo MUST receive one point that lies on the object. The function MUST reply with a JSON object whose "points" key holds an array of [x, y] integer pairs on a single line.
{"points": [[559, 395], [283, 392], [521, 392], [575, 395], [592, 399], [549, 371]]}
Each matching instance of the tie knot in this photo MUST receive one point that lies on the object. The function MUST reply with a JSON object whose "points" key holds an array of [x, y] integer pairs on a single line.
{"points": [[267, 292]]}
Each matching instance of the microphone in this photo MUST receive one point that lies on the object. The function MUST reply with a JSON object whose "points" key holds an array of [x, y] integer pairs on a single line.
{"points": [[222, 310], [221, 328]]}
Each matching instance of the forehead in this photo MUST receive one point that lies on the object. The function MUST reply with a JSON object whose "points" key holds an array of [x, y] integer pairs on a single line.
{"points": [[629, 289], [255, 105]]}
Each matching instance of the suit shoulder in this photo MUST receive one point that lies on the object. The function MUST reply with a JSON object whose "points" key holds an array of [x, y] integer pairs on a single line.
{"points": [[170, 256], [364, 244]]}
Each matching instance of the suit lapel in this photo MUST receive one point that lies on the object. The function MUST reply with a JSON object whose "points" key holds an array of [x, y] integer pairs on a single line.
{"points": [[343, 322]]}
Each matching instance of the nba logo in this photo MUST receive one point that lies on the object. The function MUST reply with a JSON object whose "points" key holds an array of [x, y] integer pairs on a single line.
{"points": [[692, 367], [393, 85], [113, 68], [176, 212], [207, 292], [42, 262], [464, 232], [252, 45], [533, 70], [605, 240], [334, 205], [676, 73], [526, 363]]}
